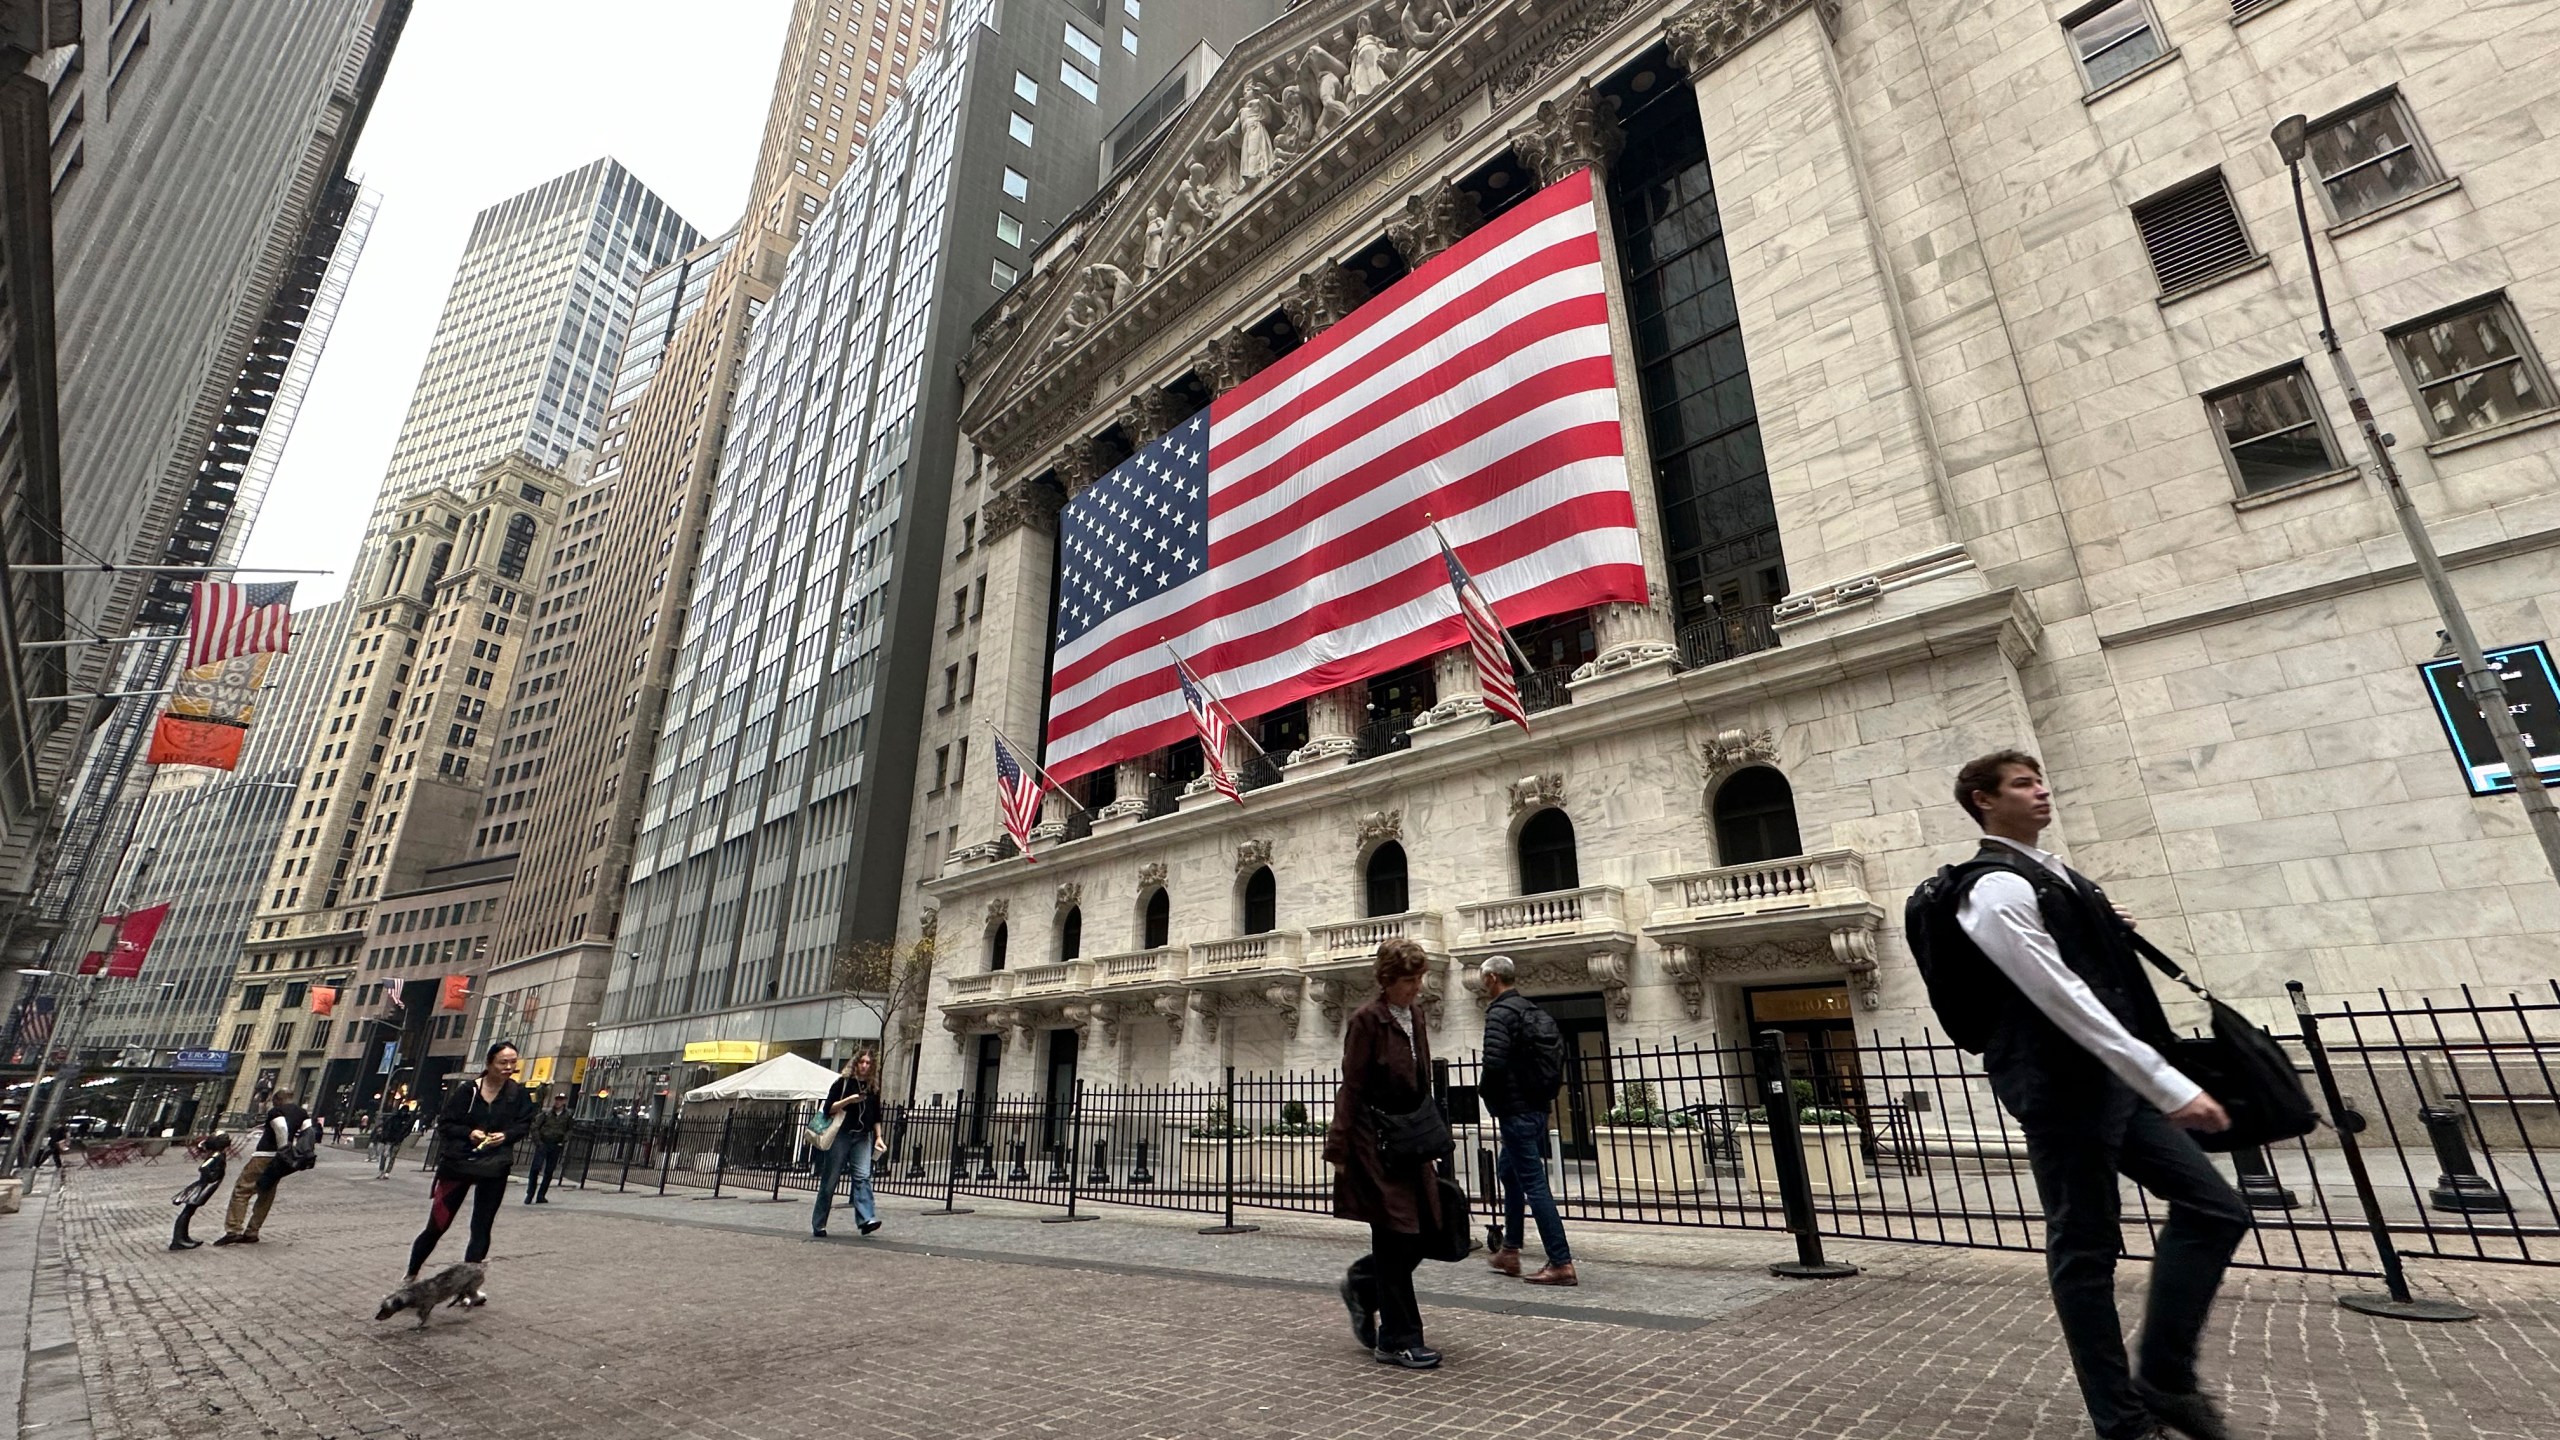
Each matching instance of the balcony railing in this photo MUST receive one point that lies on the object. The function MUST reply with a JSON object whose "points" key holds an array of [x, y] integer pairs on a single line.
{"points": [[1272, 950], [1798, 882], [1163, 798], [1726, 636], [1066, 977], [1546, 688], [1138, 967], [987, 986], [1561, 912], [1360, 939], [1258, 771], [1378, 737]]}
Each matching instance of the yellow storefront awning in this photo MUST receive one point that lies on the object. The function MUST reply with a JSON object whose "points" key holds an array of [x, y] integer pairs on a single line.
{"points": [[727, 1052]]}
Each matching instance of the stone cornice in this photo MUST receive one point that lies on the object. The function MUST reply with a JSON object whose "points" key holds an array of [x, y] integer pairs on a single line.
{"points": [[1713, 695]]}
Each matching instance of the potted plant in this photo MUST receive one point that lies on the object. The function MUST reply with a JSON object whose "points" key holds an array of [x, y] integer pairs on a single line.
{"points": [[1827, 1135], [1648, 1149], [1290, 1153], [1204, 1150]]}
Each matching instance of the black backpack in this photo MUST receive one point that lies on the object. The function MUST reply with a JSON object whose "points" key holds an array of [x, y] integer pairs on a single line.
{"points": [[1962, 980], [1538, 1073], [303, 1151]]}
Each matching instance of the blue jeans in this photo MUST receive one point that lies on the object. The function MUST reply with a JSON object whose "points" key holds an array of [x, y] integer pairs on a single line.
{"points": [[1522, 1167], [850, 1154]]}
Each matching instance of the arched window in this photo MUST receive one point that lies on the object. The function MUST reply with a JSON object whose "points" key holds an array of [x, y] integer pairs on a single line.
{"points": [[1388, 894], [995, 948], [518, 546], [1756, 818], [1071, 934], [1159, 925], [1546, 854], [1261, 903]]}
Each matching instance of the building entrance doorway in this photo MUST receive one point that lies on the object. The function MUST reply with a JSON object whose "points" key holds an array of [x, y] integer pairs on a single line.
{"points": [[1821, 1039], [1588, 1091], [982, 1085], [1059, 1095]]}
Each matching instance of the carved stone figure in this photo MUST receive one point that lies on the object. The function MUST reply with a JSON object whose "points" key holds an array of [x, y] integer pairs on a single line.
{"points": [[1427, 24], [1151, 250], [1252, 855], [1297, 125], [1330, 78], [1196, 204], [1251, 129], [1150, 875], [1373, 60]]}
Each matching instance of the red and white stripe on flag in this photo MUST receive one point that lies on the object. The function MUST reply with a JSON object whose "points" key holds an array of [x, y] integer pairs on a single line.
{"points": [[1280, 540], [1018, 791], [224, 620], [1486, 642], [1209, 718]]}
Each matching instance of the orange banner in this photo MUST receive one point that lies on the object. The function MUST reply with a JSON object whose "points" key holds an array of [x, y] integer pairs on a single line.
{"points": [[176, 740]]}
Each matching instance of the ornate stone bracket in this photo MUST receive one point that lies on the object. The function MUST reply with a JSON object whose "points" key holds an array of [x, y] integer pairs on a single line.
{"points": [[1070, 895], [1533, 792], [1733, 750], [1581, 129], [1711, 32], [1609, 969], [1380, 826], [959, 1027], [1325, 993], [1174, 1006], [1206, 1006], [1681, 964], [1252, 855], [1855, 949], [1284, 996]]}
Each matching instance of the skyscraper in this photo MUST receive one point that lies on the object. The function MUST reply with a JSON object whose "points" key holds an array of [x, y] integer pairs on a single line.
{"points": [[577, 741], [773, 827], [515, 381]]}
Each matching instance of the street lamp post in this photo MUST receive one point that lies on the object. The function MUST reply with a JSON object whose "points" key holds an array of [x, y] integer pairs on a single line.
{"points": [[2479, 678]]}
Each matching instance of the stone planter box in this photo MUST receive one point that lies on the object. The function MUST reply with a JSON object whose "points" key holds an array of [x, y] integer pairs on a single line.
{"points": [[1647, 1160], [1204, 1163], [1284, 1162], [1831, 1159]]}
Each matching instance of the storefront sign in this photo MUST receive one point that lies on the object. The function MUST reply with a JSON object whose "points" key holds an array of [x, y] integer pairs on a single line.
{"points": [[2533, 697], [201, 1062], [724, 1052]]}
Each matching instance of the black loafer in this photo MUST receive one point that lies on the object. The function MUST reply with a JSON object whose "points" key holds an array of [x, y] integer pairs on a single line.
{"points": [[1415, 1357], [867, 1227], [1364, 1326], [2193, 1414]]}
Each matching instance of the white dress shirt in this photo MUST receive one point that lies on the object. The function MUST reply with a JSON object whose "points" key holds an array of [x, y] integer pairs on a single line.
{"points": [[2000, 914]]}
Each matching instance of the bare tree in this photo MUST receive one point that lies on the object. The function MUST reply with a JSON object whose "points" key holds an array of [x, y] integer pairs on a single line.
{"points": [[882, 976]]}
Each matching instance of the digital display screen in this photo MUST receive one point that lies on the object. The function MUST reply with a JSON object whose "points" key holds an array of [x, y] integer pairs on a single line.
{"points": [[2533, 697]]}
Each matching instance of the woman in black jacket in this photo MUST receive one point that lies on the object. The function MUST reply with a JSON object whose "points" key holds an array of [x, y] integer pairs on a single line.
{"points": [[476, 1134]]}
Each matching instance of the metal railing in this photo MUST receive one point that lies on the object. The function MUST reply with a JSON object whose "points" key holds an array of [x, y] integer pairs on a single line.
{"points": [[1546, 688], [1727, 636]]}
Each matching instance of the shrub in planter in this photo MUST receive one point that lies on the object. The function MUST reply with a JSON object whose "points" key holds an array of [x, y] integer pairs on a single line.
{"points": [[1647, 1149], [1290, 1152], [1828, 1137]]}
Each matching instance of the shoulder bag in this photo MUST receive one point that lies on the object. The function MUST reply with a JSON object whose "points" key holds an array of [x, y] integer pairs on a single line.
{"points": [[823, 1129], [2240, 1065]]}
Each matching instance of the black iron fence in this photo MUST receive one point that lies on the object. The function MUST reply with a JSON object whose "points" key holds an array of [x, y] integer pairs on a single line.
{"points": [[2443, 1143]]}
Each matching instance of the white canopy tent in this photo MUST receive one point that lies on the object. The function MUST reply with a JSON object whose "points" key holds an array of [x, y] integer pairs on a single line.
{"points": [[784, 1077]]}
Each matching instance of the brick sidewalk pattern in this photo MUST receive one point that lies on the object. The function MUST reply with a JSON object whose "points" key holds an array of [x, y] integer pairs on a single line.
{"points": [[639, 1316]]}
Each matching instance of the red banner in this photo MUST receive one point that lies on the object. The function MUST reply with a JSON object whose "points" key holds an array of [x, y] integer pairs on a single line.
{"points": [[133, 941], [324, 999], [456, 994], [176, 740], [102, 939]]}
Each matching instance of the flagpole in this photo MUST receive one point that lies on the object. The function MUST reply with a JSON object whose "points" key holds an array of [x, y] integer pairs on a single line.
{"points": [[1234, 725], [1024, 756], [103, 569], [1508, 643]]}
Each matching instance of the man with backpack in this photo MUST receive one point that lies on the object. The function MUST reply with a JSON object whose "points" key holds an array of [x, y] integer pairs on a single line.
{"points": [[287, 1142], [2028, 963], [1523, 1070]]}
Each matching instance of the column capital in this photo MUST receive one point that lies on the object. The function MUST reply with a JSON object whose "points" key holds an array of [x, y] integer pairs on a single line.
{"points": [[1577, 129], [1231, 359], [1433, 221], [1019, 505], [1149, 413], [1322, 296], [1081, 462], [1710, 32]]}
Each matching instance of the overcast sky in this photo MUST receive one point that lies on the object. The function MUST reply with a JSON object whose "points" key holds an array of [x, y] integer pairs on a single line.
{"points": [[487, 98]]}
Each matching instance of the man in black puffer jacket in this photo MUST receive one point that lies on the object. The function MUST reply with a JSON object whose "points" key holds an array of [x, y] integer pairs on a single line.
{"points": [[1523, 1068]]}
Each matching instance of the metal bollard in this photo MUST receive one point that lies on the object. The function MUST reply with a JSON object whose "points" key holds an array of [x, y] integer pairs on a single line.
{"points": [[1020, 1174], [1100, 1174], [2259, 1186], [915, 1159], [2460, 1188], [1786, 1156], [1140, 1174], [1058, 1166]]}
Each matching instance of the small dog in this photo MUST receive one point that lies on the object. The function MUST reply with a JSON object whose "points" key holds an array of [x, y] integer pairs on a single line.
{"points": [[457, 1285]]}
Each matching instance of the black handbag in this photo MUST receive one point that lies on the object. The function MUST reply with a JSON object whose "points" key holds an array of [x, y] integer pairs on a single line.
{"points": [[1421, 1134], [2241, 1066], [1453, 1239]]}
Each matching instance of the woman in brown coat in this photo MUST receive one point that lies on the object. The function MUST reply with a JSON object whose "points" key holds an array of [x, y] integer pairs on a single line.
{"points": [[1386, 1069]]}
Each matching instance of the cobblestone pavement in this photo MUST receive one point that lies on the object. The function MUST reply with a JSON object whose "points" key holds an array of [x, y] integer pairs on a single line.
{"points": [[641, 1316]]}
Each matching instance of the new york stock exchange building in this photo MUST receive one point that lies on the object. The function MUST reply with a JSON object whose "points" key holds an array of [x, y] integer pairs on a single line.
{"points": [[1969, 395]]}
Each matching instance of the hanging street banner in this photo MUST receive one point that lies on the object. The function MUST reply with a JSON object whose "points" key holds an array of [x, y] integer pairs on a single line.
{"points": [[2533, 697], [209, 713]]}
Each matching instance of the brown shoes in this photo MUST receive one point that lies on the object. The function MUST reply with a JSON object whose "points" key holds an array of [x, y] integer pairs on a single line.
{"points": [[1505, 1261], [1554, 1275]]}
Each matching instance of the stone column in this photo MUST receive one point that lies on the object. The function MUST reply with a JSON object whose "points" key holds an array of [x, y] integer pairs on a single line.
{"points": [[1052, 828], [1461, 691], [1334, 718], [1081, 462], [1578, 131], [1129, 781], [1432, 222]]}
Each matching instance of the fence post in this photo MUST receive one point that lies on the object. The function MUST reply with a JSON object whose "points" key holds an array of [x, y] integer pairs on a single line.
{"points": [[623, 1187], [667, 1155], [1230, 1227], [1786, 1156], [720, 1166], [587, 1159], [951, 1173], [1075, 1137], [2399, 1304]]}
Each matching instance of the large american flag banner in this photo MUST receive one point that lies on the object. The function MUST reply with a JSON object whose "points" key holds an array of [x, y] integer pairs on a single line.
{"points": [[224, 620], [1280, 539]]}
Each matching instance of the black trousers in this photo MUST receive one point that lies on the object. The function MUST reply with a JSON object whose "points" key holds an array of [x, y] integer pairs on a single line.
{"points": [[546, 1168], [178, 1233], [1383, 1281], [488, 1196], [2076, 1170]]}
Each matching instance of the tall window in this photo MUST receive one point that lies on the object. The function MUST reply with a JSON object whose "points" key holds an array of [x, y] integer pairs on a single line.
{"points": [[1388, 893], [1159, 921], [1261, 903], [1071, 934], [1756, 818], [1720, 526], [1547, 861], [995, 948]]}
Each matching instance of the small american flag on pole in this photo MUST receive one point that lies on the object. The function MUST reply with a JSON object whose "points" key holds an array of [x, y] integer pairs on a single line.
{"points": [[1279, 540], [224, 620], [1486, 640], [1018, 790], [1210, 719]]}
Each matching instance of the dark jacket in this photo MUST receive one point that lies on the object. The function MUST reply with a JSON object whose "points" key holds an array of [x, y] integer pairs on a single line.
{"points": [[1507, 1035], [465, 1110], [862, 1117], [393, 1128], [551, 1128], [1381, 1071], [2039, 1073]]}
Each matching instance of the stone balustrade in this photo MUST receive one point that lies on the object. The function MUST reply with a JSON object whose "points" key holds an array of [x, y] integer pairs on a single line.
{"points": [[1358, 940], [1799, 882], [1068, 977], [1591, 909], [1272, 950], [1162, 966]]}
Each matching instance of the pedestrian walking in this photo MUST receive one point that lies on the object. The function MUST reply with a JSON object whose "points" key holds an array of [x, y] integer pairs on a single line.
{"points": [[852, 1106], [390, 1133], [550, 1142], [212, 1154], [1386, 1087], [1523, 1070], [2074, 1051], [476, 1135], [56, 1140], [254, 1193]]}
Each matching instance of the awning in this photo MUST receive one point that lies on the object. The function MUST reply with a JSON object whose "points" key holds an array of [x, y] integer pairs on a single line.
{"points": [[784, 1077]]}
